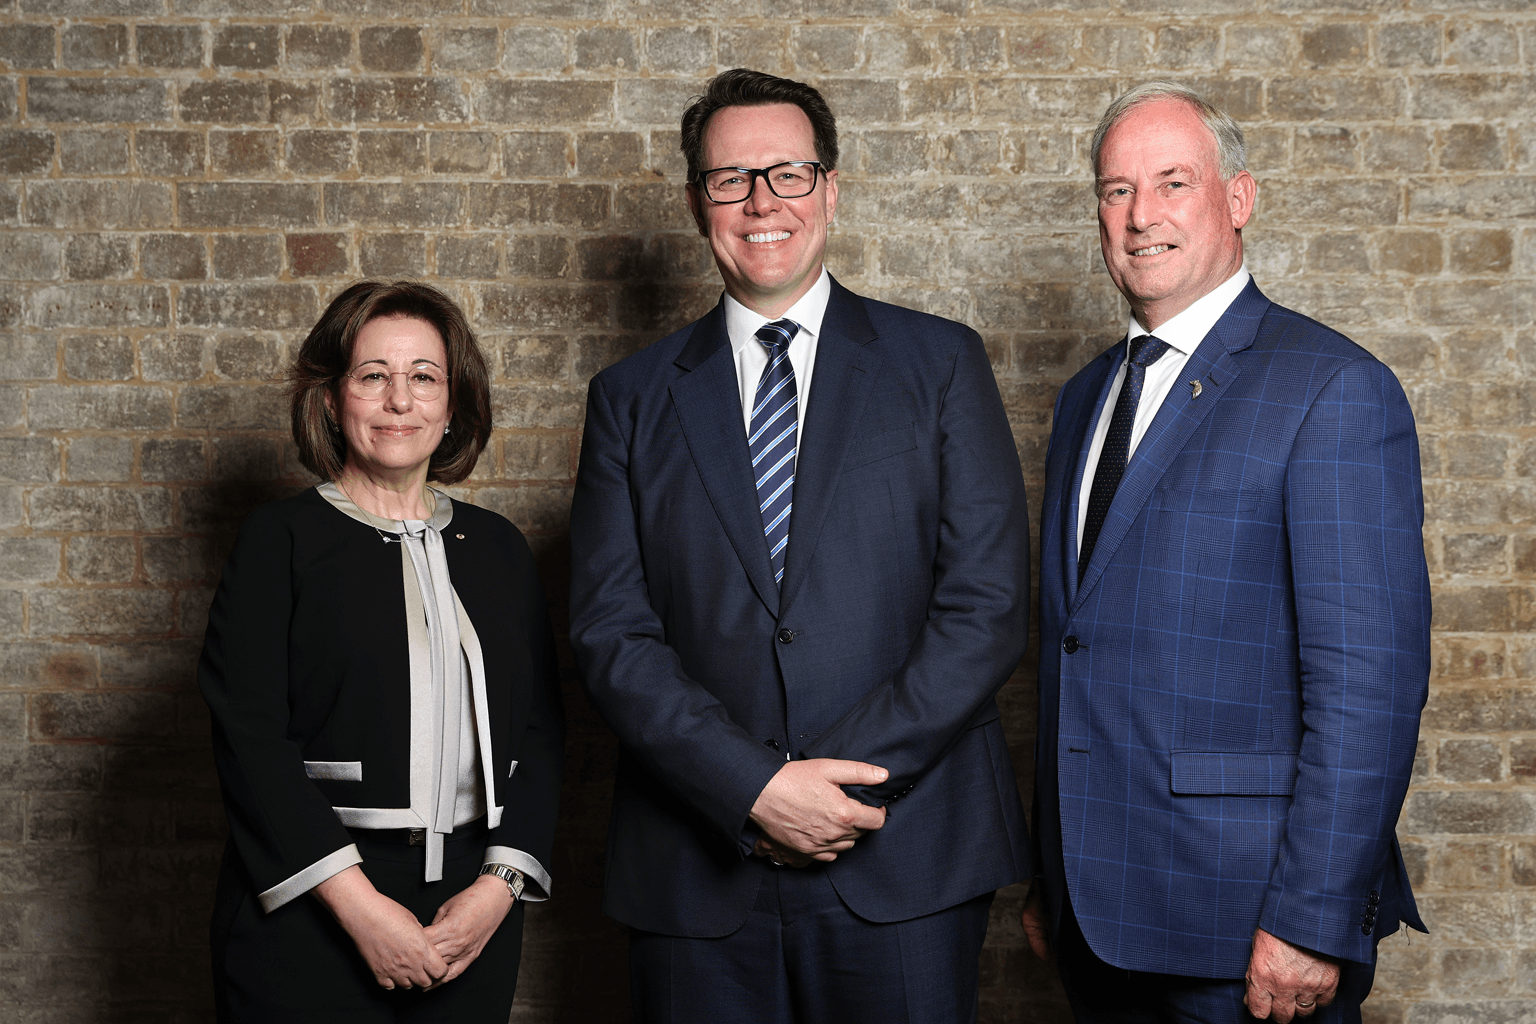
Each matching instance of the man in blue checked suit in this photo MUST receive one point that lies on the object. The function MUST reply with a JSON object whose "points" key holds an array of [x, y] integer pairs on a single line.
{"points": [[1234, 619], [799, 575]]}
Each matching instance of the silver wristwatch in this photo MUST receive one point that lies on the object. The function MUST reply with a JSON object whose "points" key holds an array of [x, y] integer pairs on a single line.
{"points": [[508, 874]]}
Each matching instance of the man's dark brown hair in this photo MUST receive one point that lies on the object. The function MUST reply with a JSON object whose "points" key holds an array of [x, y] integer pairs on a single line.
{"points": [[741, 87]]}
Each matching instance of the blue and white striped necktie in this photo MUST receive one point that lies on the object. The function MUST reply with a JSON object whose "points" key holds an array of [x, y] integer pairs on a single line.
{"points": [[773, 439]]}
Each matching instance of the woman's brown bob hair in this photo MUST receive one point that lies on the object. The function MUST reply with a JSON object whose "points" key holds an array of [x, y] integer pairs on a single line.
{"points": [[326, 356]]}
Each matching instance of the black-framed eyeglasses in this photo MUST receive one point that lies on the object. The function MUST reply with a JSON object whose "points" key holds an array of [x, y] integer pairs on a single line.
{"points": [[425, 382], [734, 184]]}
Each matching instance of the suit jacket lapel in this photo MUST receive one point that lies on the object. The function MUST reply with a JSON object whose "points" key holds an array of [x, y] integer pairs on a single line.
{"points": [[846, 365], [1212, 364], [708, 402]]}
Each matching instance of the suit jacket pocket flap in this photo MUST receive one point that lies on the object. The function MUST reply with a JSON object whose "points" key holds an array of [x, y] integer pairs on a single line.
{"points": [[881, 446], [1217, 500], [1234, 772], [335, 771]]}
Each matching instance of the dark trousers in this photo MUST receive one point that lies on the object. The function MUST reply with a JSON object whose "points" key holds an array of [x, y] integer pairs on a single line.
{"points": [[803, 957], [297, 964], [1101, 994]]}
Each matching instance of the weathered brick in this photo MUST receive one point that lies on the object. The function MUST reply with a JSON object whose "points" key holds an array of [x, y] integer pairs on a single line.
{"points": [[268, 306], [91, 257], [1410, 252], [28, 559], [26, 47], [1470, 812], [232, 407], [118, 716], [171, 357], [1480, 43], [179, 559], [169, 154], [249, 357], [534, 48], [100, 100], [243, 154], [318, 47], [245, 458], [428, 204], [1408, 44], [98, 205], [100, 508], [173, 257], [1481, 251], [526, 307], [393, 255], [247, 204], [1470, 760], [390, 48], [1329, 150], [319, 152], [561, 206], [546, 357], [169, 46], [609, 154], [1471, 302], [606, 48], [99, 305], [469, 48], [225, 101], [536, 103], [93, 46], [682, 49], [166, 459], [317, 255], [98, 357], [245, 255], [30, 256], [1336, 97], [103, 406], [533, 508], [537, 154], [539, 256], [1046, 99], [247, 47], [435, 99], [29, 460], [471, 256], [1471, 97], [100, 559], [391, 153], [1327, 202], [1476, 552], [100, 459], [462, 152], [25, 151], [1473, 147]]}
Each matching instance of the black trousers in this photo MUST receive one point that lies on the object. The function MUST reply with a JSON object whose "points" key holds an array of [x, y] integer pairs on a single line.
{"points": [[297, 964], [803, 957]]}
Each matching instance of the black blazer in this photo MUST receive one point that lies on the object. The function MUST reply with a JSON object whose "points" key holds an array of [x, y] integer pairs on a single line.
{"points": [[306, 660], [904, 608]]}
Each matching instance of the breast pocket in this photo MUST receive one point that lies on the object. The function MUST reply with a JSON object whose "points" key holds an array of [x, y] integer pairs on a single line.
{"points": [[883, 445]]}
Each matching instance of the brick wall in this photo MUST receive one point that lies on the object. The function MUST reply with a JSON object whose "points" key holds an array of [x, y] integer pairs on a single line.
{"points": [[184, 184]]}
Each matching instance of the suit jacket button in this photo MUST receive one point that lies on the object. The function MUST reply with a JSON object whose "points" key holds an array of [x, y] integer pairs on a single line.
{"points": [[771, 743], [1069, 645], [786, 636]]}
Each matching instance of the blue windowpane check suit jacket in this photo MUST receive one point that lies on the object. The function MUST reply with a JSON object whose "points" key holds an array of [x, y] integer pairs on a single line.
{"points": [[903, 609], [1229, 703]]}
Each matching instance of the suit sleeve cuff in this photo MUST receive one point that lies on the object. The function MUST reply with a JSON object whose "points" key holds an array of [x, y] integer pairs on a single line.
{"points": [[537, 883], [301, 882]]}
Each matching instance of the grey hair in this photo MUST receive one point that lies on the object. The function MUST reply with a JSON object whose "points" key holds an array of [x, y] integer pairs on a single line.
{"points": [[1231, 151]]}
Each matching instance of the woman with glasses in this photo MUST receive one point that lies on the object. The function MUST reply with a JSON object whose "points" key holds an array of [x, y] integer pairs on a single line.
{"points": [[386, 709]]}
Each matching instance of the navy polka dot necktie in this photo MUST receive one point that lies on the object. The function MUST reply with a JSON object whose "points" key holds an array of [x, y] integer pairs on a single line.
{"points": [[773, 440], [1145, 351]]}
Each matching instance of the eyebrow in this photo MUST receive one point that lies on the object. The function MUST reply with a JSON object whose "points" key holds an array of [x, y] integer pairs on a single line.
{"points": [[414, 362]]}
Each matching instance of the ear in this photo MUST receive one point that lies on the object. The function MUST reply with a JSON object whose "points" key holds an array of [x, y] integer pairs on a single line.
{"points": [[696, 207], [831, 177], [1242, 192]]}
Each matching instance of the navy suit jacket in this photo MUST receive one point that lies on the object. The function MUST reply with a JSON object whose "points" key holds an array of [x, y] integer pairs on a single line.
{"points": [[904, 607], [1229, 703]]}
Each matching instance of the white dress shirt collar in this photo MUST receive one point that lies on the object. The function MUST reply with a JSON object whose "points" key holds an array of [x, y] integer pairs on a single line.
{"points": [[742, 324], [1186, 330]]}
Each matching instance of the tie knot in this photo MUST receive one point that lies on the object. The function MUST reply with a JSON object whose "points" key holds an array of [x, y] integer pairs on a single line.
{"points": [[1147, 350], [777, 334]]}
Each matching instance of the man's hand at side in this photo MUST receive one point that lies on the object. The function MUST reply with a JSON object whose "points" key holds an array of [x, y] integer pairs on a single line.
{"points": [[1286, 980], [805, 816], [1032, 917]]}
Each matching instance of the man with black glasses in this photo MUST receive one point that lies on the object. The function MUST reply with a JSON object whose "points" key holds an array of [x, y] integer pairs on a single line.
{"points": [[795, 605]]}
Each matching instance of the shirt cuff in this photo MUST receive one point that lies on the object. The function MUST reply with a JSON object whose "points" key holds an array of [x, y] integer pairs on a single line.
{"points": [[537, 885], [298, 884]]}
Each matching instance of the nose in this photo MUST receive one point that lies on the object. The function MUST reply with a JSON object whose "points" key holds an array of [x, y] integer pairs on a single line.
{"points": [[761, 200], [1144, 210], [397, 396]]}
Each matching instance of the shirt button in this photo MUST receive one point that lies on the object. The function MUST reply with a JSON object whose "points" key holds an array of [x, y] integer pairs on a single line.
{"points": [[786, 636]]}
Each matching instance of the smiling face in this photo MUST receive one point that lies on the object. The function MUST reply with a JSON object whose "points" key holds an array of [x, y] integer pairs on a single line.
{"points": [[769, 250], [394, 434], [1168, 225]]}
